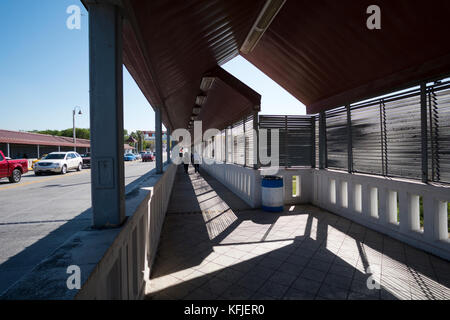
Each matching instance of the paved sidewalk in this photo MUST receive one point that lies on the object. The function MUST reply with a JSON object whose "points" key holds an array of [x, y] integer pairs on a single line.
{"points": [[213, 246]]}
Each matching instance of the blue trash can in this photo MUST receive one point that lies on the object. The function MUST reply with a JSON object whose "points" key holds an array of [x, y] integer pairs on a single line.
{"points": [[272, 193]]}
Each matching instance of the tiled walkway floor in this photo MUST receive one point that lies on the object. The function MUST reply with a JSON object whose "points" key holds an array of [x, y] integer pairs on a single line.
{"points": [[214, 247]]}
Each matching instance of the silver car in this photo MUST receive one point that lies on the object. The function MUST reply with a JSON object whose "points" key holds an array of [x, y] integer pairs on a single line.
{"points": [[59, 162]]}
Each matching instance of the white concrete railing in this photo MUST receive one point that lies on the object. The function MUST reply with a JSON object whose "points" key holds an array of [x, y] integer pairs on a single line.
{"points": [[244, 182], [114, 263], [366, 199], [374, 201], [126, 266]]}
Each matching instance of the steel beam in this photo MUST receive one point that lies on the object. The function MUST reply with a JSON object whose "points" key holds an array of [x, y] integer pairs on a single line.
{"points": [[106, 114], [158, 141]]}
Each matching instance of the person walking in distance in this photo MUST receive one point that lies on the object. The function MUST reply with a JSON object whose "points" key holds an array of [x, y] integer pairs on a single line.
{"points": [[186, 160], [197, 161]]}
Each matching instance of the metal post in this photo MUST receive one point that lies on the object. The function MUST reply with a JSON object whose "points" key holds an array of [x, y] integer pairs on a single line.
{"points": [[322, 140], [106, 114], [74, 133], [257, 163], [38, 151], [423, 117], [313, 142], [8, 153], [158, 141], [245, 143], [168, 145], [226, 145], [349, 140], [286, 153]]}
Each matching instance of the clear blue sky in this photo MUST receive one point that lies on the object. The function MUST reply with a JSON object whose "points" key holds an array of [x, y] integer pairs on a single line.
{"points": [[44, 72]]}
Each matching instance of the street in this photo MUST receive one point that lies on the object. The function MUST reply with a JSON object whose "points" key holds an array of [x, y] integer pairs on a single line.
{"points": [[40, 212]]}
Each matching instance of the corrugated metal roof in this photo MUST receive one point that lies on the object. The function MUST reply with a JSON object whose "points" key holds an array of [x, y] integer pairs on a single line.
{"points": [[323, 54], [320, 51], [170, 45]]}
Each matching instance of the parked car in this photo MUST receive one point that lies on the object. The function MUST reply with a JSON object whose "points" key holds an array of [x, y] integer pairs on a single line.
{"points": [[12, 169], [148, 156], [59, 162], [86, 160], [37, 160], [129, 157], [137, 156]]}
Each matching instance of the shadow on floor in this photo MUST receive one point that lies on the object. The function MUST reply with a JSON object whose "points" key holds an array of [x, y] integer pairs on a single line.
{"points": [[212, 248]]}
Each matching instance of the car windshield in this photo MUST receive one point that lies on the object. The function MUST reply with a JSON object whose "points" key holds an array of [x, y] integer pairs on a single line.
{"points": [[55, 156], [86, 155]]}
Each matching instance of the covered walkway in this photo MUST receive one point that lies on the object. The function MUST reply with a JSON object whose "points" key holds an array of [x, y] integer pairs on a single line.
{"points": [[213, 246]]}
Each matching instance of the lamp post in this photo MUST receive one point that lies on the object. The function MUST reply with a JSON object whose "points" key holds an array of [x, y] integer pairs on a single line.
{"points": [[73, 118]]}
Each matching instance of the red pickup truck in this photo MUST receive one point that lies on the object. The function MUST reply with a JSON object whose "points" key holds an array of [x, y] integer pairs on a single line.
{"points": [[12, 169]]}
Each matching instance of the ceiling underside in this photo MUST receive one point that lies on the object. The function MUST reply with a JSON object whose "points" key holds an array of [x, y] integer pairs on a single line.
{"points": [[320, 51]]}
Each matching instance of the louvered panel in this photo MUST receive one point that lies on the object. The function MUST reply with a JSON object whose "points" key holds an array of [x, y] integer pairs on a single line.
{"points": [[366, 138], [403, 136], [316, 129], [337, 138], [299, 140], [238, 143], [270, 123], [295, 138], [439, 132], [229, 142], [250, 148]]}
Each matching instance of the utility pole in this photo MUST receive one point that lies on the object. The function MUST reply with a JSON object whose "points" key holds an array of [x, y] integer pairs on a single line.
{"points": [[74, 133]]}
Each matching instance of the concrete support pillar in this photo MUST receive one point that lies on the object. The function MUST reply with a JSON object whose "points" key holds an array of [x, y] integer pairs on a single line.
{"points": [[158, 141], [37, 151], [106, 114], [8, 151], [59, 148], [168, 145]]}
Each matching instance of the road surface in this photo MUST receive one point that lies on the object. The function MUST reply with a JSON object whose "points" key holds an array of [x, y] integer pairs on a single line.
{"points": [[38, 214]]}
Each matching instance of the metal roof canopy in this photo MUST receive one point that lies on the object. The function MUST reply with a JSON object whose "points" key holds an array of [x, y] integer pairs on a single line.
{"points": [[319, 51]]}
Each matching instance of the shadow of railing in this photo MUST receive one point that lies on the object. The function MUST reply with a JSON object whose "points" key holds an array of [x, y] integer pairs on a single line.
{"points": [[313, 264]]}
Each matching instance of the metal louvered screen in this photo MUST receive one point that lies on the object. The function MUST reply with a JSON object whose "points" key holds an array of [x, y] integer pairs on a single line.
{"points": [[316, 139], [337, 138], [296, 138], [403, 136], [238, 140], [382, 136], [366, 138], [274, 122], [250, 141], [438, 99]]}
